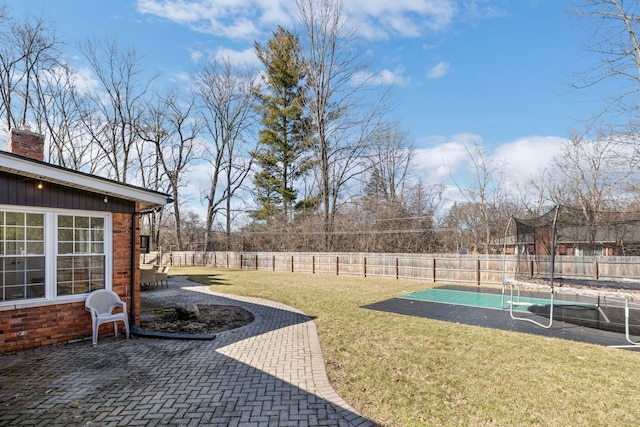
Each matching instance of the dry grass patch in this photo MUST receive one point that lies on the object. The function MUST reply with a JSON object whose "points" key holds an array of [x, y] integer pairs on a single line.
{"points": [[405, 371]]}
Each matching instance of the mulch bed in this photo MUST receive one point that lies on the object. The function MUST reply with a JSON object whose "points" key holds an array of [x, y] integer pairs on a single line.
{"points": [[213, 318]]}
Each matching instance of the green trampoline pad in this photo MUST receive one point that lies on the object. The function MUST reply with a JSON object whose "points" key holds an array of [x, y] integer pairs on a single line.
{"points": [[477, 299]]}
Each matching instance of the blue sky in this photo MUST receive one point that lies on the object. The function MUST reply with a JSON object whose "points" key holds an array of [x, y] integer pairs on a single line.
{"points": [[497, 73]]}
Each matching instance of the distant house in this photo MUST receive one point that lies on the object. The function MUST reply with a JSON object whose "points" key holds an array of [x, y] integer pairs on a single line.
{"points": [[63, 234], [607, 239]]}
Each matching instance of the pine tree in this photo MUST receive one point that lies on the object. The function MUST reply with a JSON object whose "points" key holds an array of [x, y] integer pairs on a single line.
{"points": [[280, 156]]}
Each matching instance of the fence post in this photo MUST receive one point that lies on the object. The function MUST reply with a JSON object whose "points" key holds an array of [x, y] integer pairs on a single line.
{"points": [[531, 266], [227, 260], [337, 265], [364, 265], [313, 264], [273, 262], [433, 275], [478, 272], [292, 263], [596, 272], [397, 272], [256, 261]]}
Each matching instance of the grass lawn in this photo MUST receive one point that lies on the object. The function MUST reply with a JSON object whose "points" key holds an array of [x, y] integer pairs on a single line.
{"points": [[404, 371]]}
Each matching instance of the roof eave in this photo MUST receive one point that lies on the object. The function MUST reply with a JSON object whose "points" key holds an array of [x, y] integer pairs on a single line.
{"points": [[22, 166]]}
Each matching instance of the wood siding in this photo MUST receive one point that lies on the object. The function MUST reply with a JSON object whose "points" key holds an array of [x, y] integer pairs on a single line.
{"points": [[20, 191]]}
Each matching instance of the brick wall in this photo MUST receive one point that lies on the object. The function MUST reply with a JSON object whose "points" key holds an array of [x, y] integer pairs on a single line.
{"points": [[27, 328]]}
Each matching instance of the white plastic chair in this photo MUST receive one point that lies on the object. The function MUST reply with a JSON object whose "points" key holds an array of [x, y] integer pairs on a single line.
{"points": [[101, 303]]}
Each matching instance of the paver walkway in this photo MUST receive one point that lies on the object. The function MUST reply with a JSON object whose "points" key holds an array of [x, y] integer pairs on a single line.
{"points": [[268, 373]]}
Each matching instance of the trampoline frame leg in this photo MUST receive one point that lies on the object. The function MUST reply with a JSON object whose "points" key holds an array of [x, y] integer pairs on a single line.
{"points": [[524, 319], [626, 323]]}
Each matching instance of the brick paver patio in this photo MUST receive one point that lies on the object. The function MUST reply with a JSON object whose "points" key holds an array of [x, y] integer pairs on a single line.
{"points": [[268, 373]]}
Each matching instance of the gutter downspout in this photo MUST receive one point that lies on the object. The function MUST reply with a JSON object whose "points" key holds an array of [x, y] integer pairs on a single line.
{"points": [[134, 259]]}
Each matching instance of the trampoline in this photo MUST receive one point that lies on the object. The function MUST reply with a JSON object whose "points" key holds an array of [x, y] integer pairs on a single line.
{"points": [[575, 318], [536, 243]]}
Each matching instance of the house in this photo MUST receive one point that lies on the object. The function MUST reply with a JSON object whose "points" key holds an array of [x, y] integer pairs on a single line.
{"points": [[63, 233]]}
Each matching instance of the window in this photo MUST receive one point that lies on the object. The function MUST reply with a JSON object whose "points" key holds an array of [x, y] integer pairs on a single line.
{"points": [[52, 255], [80, 261], [22, 263]]}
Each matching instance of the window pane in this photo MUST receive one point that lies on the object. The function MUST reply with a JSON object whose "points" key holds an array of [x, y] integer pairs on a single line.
{"points": [[35, 220], [13, 248], [65, 248], [65, 234], [81, 235], [14, 292], [14, 218], [35, 248], [82, 222], [35, 263], [80, 287], [65, 221], [15, 233], [35, 291], [82, 248], [64, 288], [35, 234], [13, 264], [12, 278], [35, 277], [97, 235]]}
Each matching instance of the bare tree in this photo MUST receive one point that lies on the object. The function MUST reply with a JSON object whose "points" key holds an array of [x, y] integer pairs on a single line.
{"points": [[117, 105], [342, 120], [616, 49], [593, 174], [227, 107], [61, 108], [484, 196], [170, 127], [28, 49], [389, 163]]}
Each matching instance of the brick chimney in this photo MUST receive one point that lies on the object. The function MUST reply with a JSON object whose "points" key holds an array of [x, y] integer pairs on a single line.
{"points": [[26, 143]]}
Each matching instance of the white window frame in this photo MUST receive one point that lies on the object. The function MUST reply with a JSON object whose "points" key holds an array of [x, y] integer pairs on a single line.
{"points": [[51, 255]]}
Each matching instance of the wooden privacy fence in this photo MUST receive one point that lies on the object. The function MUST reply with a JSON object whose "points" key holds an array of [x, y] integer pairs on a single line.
{"points": [[474, 269]]}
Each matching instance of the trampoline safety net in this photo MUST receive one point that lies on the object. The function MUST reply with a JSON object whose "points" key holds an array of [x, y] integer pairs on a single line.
{"points": [[568, 231]]}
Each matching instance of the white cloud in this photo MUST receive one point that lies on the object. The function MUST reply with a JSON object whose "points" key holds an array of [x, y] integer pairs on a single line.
{"points": [[444, 157], [233, 19], [242, 58], [378, 19], [196, 56], [84, 81], [248, 19], [527, 157], [439, 70], [444, 160], [81, 78], [383, 78]]}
